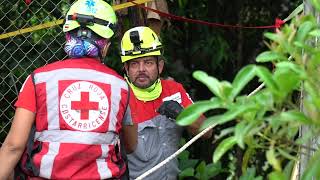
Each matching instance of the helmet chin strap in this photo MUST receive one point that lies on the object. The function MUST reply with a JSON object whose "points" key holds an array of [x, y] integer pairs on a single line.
{"points": [[158, 67]]}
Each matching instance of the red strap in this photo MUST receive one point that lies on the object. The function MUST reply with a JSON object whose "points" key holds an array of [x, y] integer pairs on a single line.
{"points": [[278, 22], [28, 2]]}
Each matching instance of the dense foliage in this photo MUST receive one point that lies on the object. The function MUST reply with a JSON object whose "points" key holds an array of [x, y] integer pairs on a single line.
{"points": [[188, 47], [266, 124]]}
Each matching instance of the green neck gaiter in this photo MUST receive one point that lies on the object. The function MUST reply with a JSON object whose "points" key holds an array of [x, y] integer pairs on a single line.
{"points": [[147, 94]]}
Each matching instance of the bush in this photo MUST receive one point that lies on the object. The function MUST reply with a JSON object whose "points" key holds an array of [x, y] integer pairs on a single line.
{"points": [[268, 121]]}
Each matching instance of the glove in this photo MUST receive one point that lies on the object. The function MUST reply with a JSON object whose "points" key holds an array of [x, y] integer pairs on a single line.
{"points": [[171, 109]]}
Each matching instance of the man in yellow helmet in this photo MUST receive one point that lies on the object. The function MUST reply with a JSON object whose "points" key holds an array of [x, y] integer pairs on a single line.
{"points": [[155, 107], [75, 110]]}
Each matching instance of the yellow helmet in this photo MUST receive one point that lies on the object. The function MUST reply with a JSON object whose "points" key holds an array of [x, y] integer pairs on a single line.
{"points": [[139, 42], [94, 14]]}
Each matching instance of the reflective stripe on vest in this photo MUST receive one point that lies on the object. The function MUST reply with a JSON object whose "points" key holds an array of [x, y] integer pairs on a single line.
{"points": [[66, 136], [103, 170], [48, 159]]}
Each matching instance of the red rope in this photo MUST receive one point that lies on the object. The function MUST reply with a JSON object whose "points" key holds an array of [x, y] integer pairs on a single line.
{"points": [[278, 22], [28, 2]]}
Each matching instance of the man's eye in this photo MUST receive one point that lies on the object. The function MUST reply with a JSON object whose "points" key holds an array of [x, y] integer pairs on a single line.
{"points": [[133, 63]]}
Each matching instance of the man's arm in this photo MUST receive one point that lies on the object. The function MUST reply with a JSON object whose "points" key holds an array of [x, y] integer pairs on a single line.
{"points": [[16, 140], [195, 126], [130, 137], [193, 129], [129, 131]]}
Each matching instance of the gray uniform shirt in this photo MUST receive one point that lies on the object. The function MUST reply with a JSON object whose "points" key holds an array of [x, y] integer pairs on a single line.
{"points": [[158, 138]]}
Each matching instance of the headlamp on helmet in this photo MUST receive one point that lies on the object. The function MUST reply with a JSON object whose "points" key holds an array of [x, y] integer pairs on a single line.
{"points": [[135, 39]]}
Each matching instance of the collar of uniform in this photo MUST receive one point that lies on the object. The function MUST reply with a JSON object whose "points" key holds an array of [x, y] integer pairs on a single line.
{"points": [[148, 94]]}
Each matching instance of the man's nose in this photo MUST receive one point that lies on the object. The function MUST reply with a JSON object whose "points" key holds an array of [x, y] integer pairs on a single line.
{"points": [[141, 66]]}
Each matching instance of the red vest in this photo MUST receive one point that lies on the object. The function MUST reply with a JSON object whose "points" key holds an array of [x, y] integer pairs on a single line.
{"points": [[80, 105]]}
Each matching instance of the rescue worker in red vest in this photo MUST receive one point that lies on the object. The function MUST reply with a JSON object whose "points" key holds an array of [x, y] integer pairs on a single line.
{"points": [[78, 105], [155, 107]]}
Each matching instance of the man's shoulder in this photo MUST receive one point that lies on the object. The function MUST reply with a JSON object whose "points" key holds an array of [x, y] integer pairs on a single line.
{"points": [[171, 85], [47, 67], [83, 63], [55, 65], [170, 82]]}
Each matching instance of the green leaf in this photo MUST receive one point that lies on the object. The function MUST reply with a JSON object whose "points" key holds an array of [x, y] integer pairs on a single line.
{"points": [[184, 155], [242, 129], [250, 174], [314, 61], [214, 169], [212, 83], [275, 123], [189, 172], [315, 33], [313, 167], [231, 114], [295, 116], [316, 4], [246, 157], [313, 92], [268, 56], [276, 175], [304, 46], [271, 157], [287, 155], [183, 142], [226, 89], [223, 147], [287, 85], [289, 169], [294, 13], [303, 31], [292, 67], [188, 163], [264, 99], [240, 133], [273, 36], [242, 78], [292, 131], [201, 167], [194, 111], [224, 132], [265, 75]]}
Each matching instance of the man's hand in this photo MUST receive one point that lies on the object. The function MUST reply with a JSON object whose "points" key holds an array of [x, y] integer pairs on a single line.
{"points": [[171, 109]]}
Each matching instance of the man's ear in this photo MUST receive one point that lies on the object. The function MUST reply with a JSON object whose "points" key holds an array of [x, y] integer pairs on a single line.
{"points": [[126, 67], [160, 65]]}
